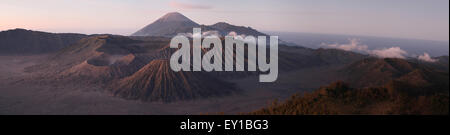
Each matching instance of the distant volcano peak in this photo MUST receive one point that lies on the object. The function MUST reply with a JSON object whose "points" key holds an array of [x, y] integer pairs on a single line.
{"points": [[174, 16], [174, 23], [222, 23], [168, 25]]}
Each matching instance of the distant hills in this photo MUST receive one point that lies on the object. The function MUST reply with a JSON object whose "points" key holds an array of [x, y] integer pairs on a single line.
{"points": [[376, 72], [21, 41], [174, 23]]}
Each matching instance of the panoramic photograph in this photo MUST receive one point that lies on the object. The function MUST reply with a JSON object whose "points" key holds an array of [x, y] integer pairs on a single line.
{"points": [[203, 57]]}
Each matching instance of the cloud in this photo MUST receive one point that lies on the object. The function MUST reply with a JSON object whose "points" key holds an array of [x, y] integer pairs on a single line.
{"points": [[243, 37], [393, 52], [355, 45], [211, 33], [232, 33], [180, 5], [426, 57], [235, 34]]}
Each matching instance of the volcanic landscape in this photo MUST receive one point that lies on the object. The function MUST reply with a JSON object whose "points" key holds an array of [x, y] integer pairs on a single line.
{"points": [[56, 73]]}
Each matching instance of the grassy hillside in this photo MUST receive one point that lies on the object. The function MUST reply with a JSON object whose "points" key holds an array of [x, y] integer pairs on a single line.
{"points": [[338, 98]]}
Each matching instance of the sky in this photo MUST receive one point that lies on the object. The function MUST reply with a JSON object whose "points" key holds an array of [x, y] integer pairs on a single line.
{"points": [[415, 19]]}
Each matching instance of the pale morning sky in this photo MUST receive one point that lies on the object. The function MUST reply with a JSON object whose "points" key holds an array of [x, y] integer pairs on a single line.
{"points": [[420, 19]]}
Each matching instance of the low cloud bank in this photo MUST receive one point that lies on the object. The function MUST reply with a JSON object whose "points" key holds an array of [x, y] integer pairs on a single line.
{"points": [[355, 45], [393, 52], [426, 57]]}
